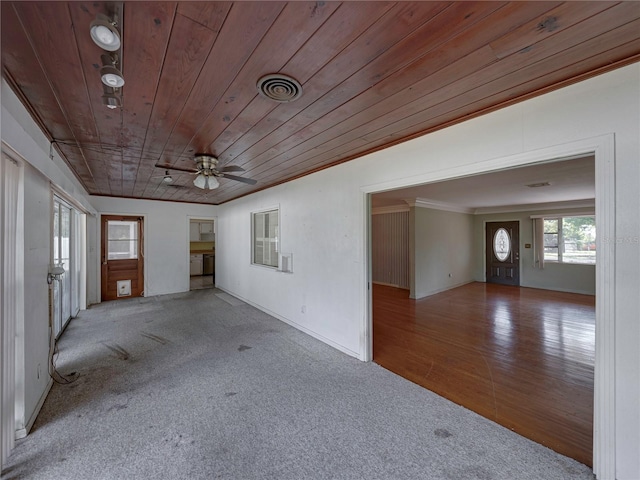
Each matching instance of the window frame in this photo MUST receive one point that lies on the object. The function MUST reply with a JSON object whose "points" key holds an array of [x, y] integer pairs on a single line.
{"points": [[133, 240], [560, 238], [276, 239]]}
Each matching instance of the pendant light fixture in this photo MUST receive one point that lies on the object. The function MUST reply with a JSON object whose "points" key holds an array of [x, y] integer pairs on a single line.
{"points": [[105, 34]]}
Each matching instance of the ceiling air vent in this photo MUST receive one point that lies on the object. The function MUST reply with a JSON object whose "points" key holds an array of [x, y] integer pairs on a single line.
{"points": [[280, 88]]}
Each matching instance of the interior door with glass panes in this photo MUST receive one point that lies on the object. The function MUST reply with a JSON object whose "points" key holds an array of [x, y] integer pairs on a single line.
{"points": [[122, 257]]}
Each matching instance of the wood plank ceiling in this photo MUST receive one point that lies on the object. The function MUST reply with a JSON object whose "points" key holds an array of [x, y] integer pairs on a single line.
{"points": [[373, 74]]}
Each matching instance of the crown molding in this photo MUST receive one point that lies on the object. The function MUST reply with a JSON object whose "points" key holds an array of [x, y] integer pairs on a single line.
{"points": [[589, 205], [389, 209], [435, 205]]}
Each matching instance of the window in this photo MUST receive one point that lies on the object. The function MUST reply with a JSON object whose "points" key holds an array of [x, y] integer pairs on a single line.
{"points": [[265, 238], [570, 240], [123, 240]]}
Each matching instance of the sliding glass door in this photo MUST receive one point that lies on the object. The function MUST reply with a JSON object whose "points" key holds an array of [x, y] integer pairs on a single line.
{"points": [[66, 253]]}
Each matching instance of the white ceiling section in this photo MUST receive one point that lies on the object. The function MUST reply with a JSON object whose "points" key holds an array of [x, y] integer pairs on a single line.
{"points": [[569, 181]]}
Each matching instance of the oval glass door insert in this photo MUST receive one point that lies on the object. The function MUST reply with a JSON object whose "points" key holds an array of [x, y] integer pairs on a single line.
{"points": [[501, 244]]}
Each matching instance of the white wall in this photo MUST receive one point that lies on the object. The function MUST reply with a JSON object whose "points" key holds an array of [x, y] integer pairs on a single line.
{"points": [[37, 248], [322, 225], [444, 250], [166, 235], [23, 139], [323, 222], [563, 277]]}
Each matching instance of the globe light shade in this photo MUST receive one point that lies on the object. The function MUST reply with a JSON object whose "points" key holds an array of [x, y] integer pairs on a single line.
{"points": [[206, 181]]}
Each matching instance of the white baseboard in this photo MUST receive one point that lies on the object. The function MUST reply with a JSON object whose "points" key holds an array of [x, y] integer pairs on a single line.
{"points": [[390, 285], [23, 432], [443, 289], [297, 326]]}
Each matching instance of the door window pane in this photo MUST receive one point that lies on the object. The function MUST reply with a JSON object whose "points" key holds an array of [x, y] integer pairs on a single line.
{"points": [[122, 240], [501, 244]]}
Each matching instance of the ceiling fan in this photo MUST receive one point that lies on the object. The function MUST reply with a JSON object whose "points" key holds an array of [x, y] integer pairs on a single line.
{"points": [[207, 173]]}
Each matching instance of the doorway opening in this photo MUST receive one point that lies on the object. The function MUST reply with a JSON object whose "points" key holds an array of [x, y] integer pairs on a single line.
{"points": [[456, 244], [202, 253]]}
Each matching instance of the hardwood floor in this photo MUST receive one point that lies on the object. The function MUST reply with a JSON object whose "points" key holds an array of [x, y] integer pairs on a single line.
{"points": [[521, 357]]}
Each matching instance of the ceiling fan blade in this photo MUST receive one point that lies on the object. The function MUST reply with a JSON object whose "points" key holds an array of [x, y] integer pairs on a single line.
{"points": [[180, 169], [231, 168], [249, 181]]}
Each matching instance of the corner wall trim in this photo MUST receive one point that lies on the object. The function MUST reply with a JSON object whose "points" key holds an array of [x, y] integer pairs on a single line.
{"points": [[23, 432]]}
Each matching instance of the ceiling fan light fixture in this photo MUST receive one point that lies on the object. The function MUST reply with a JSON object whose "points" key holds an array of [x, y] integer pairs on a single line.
{"points": [[213, 182], [104, 33], [206, 162], [206, 181], [111, 76], [200, 181]]}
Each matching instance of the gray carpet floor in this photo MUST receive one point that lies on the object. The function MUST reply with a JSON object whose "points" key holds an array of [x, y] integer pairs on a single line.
{"points": [[191, 386]]}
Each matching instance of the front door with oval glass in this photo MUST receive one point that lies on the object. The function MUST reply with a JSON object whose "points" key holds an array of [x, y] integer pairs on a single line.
{"points": [[503, 253]]}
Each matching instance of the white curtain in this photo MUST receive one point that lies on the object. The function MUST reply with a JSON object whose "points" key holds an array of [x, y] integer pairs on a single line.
{"points": [[9, 180], [538, 243]]}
